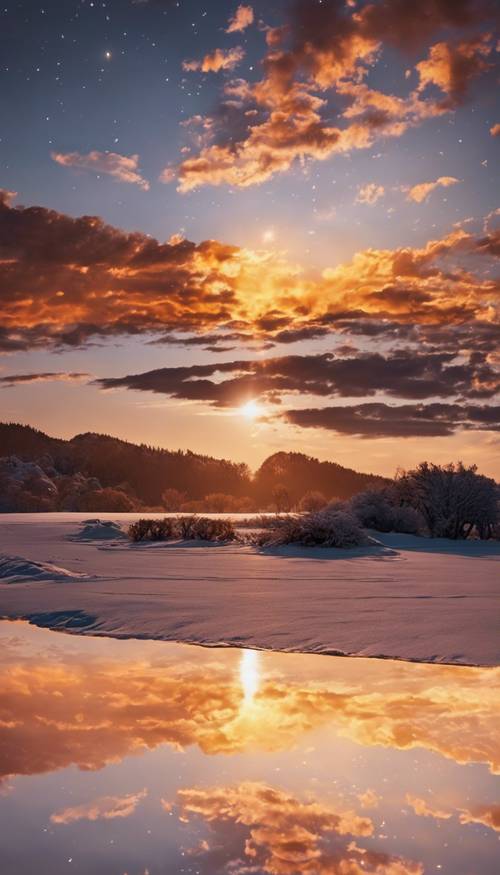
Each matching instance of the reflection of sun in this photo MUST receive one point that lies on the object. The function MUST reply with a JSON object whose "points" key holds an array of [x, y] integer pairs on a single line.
{"points": [[251, 409], [249, 674]]}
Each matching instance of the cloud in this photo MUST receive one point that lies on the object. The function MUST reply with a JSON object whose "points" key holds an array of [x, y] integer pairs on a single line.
{"points": [[219, 59], [495, 131], [487, 815], [103, 808], [68, 281], [122, 167], [241, 19], [381, 420], [425, 809], [369, 193], [279, 833], [47, 376], [369, 799], [322, 53], [403, 373], [422, 190], [452, 67]]}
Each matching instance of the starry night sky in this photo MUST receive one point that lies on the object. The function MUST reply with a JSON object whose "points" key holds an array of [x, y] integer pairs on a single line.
{"points": [[341, 157]]}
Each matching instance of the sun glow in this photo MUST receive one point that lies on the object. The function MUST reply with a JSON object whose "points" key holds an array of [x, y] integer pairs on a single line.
{"points": [[251, 409], [249, 674]]}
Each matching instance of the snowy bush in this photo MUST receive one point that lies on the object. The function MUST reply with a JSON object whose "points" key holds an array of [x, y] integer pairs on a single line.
{"points": [[376, 510], [184, 528], [324, 528], [312, 501], [454, 500]]}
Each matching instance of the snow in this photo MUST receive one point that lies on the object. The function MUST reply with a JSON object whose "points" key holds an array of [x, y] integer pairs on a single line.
{"points": [[407, 598], [14, 569]]}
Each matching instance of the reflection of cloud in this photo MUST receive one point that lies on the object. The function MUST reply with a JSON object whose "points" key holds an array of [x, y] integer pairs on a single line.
{"points": [[369, 799], [97, 711], [284, 835], [426, 809], [104, 808], [488, 815]]}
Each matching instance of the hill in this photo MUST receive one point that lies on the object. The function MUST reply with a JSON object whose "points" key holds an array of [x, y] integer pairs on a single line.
{"points": [[139, 473]]}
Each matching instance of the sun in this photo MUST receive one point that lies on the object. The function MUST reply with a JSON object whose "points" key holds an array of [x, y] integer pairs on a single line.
{"points": [[251, 409]]}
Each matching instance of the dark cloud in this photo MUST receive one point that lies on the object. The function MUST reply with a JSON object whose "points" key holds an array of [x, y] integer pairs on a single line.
{"points": [[405, 374], [379, 420], [42, 377]]}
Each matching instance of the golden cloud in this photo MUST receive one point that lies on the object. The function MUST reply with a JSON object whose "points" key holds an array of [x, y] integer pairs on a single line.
{"points": [[242, 18], [324, 51], [219, 59], [422, 190], [370, 193], [425, 809], [92, 712], [65, 280], [103, 808], [487, 815], [285, 835]]}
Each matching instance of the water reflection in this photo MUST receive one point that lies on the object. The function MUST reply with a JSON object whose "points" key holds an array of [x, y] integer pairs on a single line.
{"points": [[240, 762], [249, 675]]}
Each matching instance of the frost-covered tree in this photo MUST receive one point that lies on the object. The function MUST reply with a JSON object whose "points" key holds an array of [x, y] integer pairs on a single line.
{"points": [[453, 499], [312, 500]]}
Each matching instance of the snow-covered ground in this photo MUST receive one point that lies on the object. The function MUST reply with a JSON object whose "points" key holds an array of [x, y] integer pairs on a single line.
{"points": [[409, 598]]}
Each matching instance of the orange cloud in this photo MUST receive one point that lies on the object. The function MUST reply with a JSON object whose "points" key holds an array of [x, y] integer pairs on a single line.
{"points": [[488, 815], [422, 190], [495, 131], [285, 835], [326, 50], [219, 59], [64, 280], [104, 808], [370, 193], [242, 18], [122, 167], [369, 799], [92, 712], [452, 67], [425, 809]]}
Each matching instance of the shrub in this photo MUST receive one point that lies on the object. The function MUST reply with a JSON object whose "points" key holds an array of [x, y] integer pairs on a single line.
{"points": [[324, 528], [107, 499], [375, 510], [210, 529], [172, 499], [312, 501], [182, 528]]}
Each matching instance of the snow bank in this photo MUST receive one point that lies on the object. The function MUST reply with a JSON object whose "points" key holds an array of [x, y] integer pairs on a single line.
{"points": [[15, 569], [99, 530], [407, 598]]}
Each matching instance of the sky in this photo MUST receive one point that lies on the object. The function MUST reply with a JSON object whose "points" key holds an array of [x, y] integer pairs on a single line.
{"points": [[238, 229]]}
